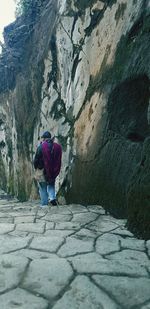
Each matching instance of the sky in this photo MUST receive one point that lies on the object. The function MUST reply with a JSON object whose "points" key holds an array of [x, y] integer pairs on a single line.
{"points": [[7, 14]]}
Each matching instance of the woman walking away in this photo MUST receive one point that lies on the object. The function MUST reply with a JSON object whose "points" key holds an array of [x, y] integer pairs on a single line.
{"points": [[48, 160]]}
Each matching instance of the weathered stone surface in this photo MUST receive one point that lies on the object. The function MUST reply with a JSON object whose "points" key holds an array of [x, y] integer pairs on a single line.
{"points": [[31, 227], [4, 215], [97, 109], [94, 263], [23, 213], [122, 231], [6, 227], [6, 220], [8, 243], [68, 226], [49, 225], [64, 210], [140, 258], [84, 294], [102, 225], [137, 244], [96, 209], [49, 244], [18, 234], [58, 217], [74, 246], [128, 292], [87, 233], [48, 277], [108, 243], [113, 276], [20, 298], [24, 219], [74, 208], [84, 218], [11, 271], [34, 254], [58, 233]]}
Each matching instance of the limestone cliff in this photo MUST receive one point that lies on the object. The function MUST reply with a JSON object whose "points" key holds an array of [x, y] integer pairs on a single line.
{"points": [[81, 69]]}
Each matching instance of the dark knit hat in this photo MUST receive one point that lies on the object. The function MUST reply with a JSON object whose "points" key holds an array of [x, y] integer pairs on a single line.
{"points": [[46, 134]]}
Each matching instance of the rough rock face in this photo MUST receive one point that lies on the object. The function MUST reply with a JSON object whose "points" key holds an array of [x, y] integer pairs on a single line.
{"points": [[82, 71]]}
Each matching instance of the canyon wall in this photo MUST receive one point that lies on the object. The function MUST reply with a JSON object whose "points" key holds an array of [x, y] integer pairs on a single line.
{"points": [[81, 69]]}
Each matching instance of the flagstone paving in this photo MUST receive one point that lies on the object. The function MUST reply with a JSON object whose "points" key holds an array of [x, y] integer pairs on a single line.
{"points": [[70, 257]]}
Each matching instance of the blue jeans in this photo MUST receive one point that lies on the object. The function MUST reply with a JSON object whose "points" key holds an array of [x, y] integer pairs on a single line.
{"points": [[47, 192]]}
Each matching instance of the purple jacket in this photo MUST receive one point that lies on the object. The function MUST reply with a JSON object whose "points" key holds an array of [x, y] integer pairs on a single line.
{"points": [[49, 156]]}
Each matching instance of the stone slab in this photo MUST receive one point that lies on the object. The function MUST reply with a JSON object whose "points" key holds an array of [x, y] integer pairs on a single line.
{"points": [[49, 244], [97, 209], [6, 228], [60, 210], [75, 246], [24, 219], [9, 243], [68, 226], [50, 225], [134, 244], [6, 220], [57, 217], [20, 298], [122, 231], [31, 227], [77, 208], [125, 256], [102, 225], [34, 254], [84, 218], [93, 263], [11, 271], [58, 233], [127, 291], [107, 243], [48, 277], [87, 233], [18, 233], [21, 213], [84, 294], [4, 214]]}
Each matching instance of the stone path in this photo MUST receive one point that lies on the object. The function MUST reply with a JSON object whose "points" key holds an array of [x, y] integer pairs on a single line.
{"points": [[70, 257]]}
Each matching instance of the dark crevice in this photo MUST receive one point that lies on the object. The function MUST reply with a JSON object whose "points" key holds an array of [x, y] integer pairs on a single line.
{"points": [[136, 28], [58, 109], [76, 15], [75, 64], [127, 109], [135, 137], [96, 16], [52, 76]]}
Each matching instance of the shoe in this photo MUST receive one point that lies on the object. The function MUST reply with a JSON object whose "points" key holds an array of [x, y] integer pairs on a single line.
{"points": [[54, 202]]}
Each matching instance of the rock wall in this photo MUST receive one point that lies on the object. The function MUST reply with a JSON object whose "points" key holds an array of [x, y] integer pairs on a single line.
{"points": [[81, 70]]}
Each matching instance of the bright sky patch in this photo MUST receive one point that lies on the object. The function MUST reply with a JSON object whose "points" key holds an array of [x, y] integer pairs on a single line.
{"points": [[7, 14]]}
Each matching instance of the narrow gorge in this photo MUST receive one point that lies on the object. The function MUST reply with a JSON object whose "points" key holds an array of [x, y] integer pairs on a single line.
{"points": [[81, 69]]}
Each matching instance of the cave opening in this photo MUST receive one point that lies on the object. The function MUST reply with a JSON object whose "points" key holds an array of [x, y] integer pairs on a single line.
{"points": [[128, 109]]}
